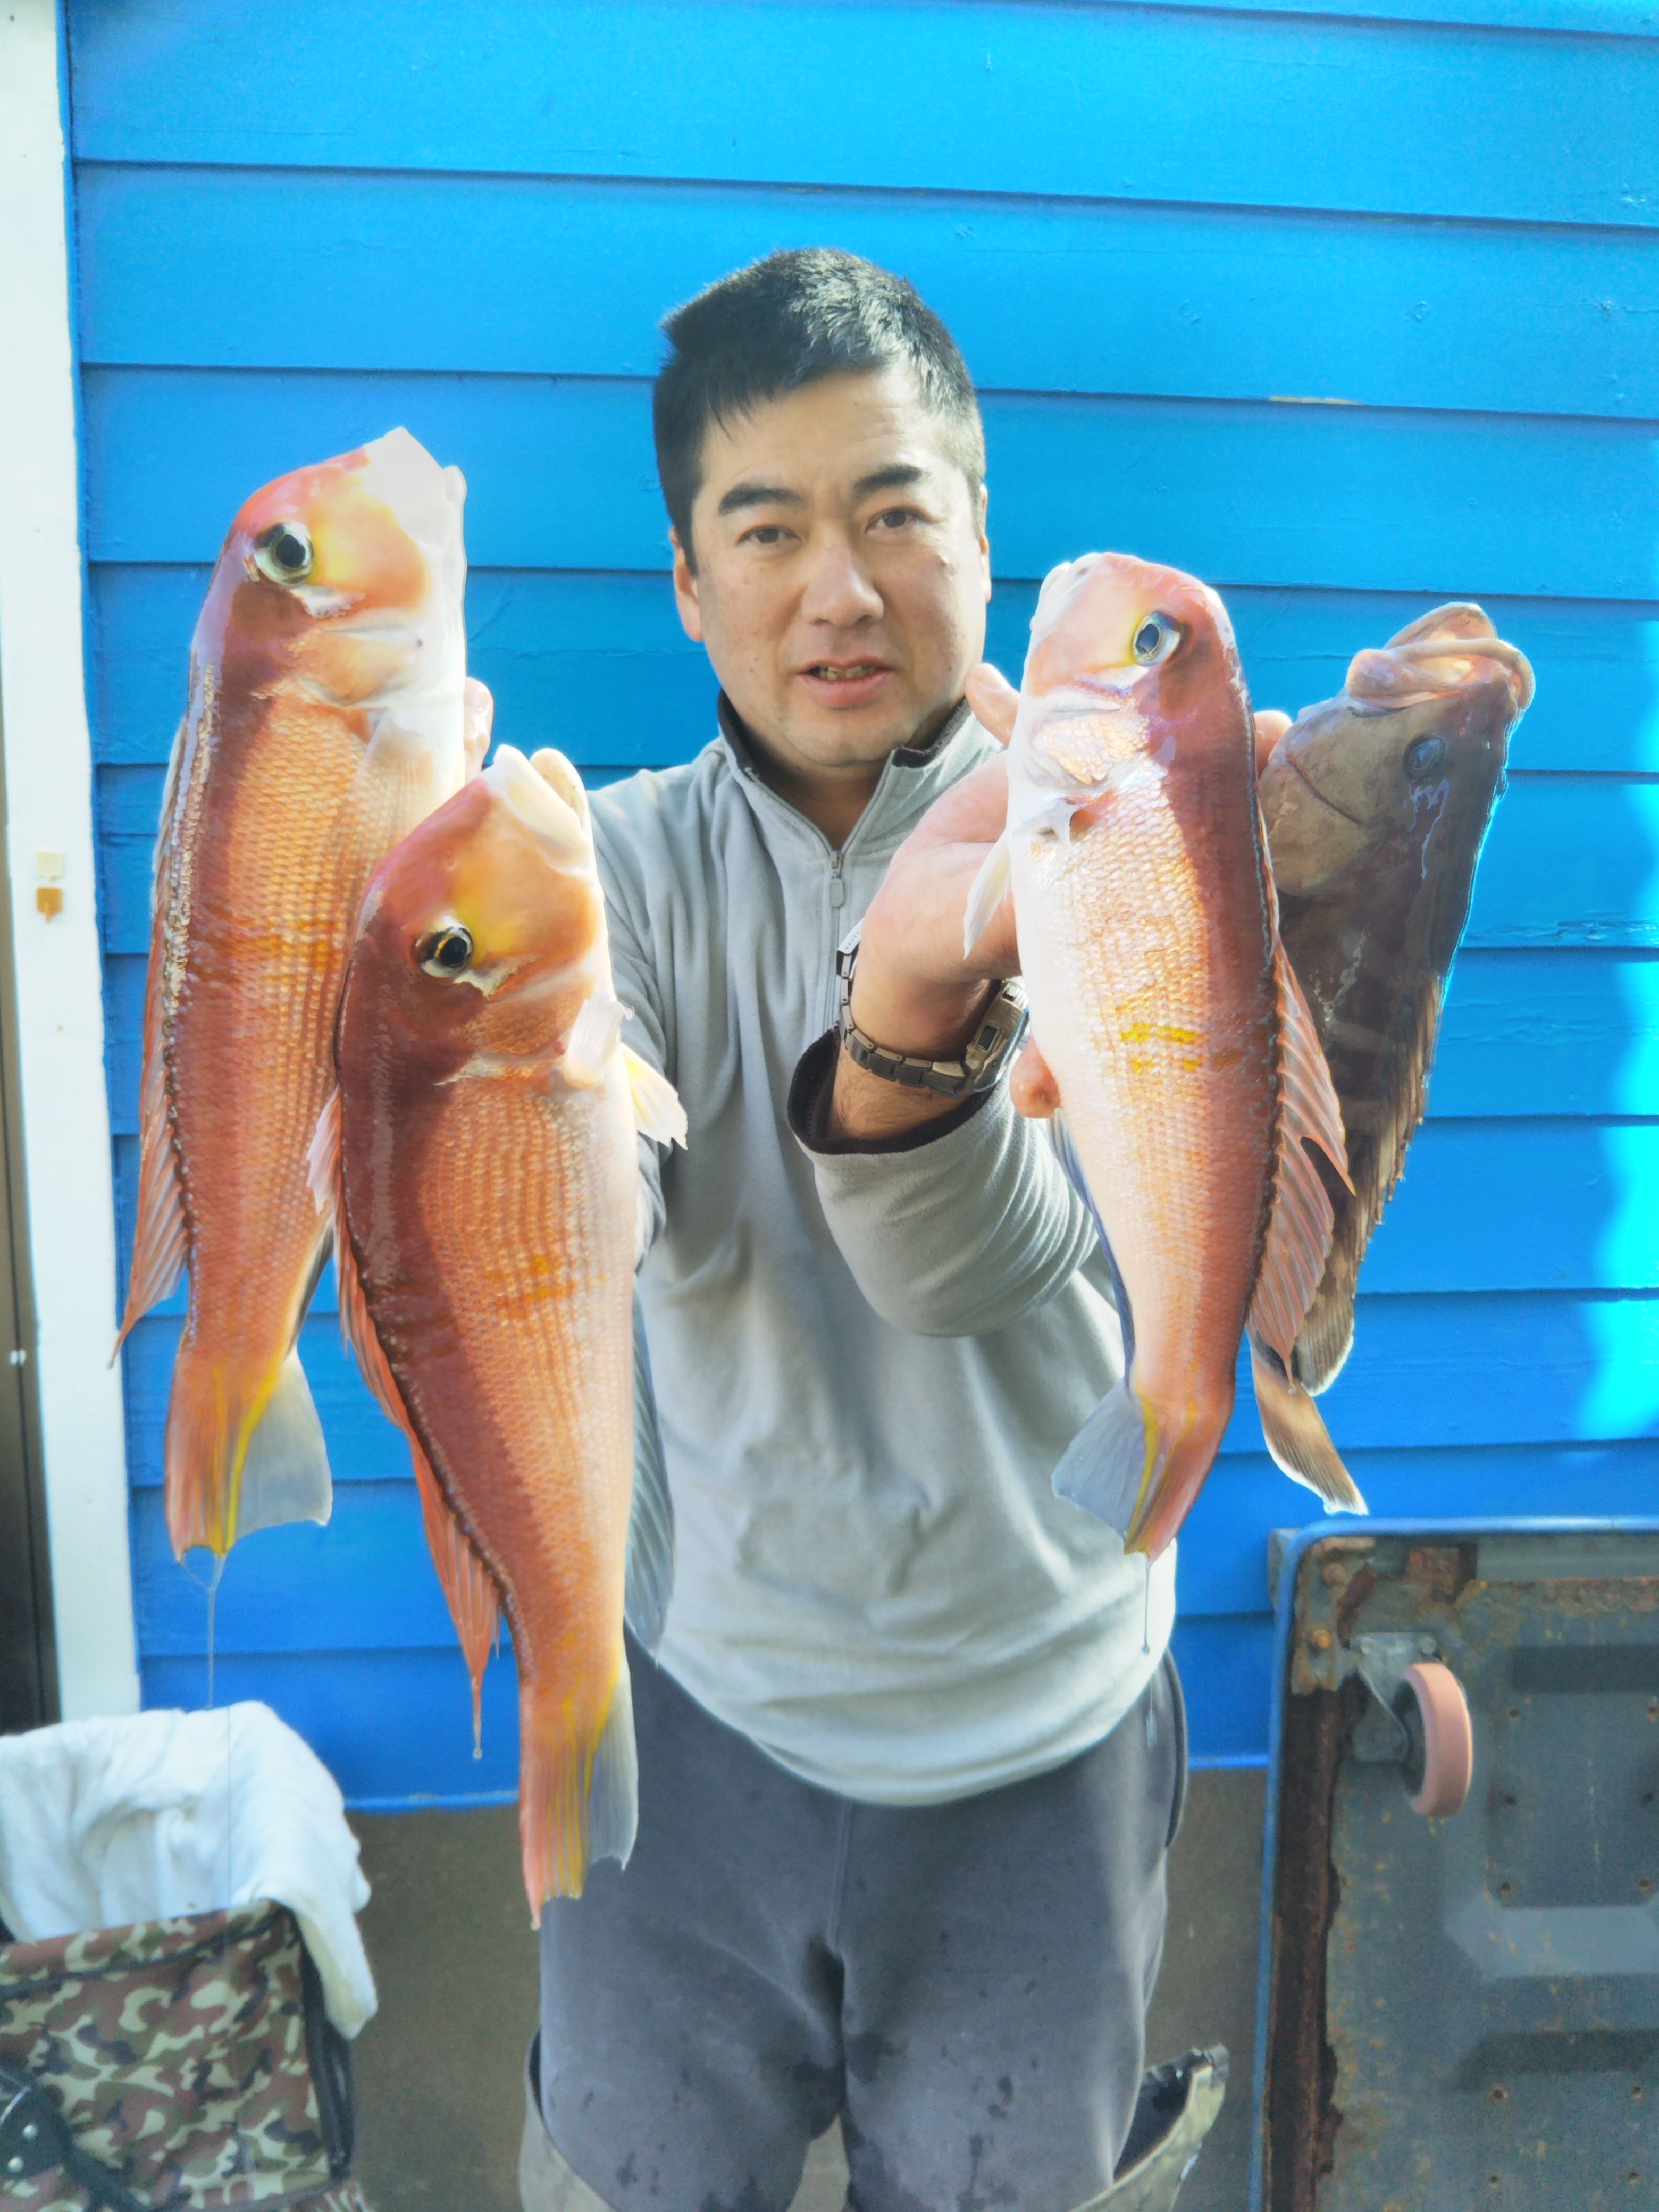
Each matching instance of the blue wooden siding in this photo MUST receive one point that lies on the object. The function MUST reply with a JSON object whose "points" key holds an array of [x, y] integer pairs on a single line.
{"points": [[1349, 314]]}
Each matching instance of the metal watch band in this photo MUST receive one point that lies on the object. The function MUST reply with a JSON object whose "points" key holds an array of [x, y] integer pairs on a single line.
{"points": [[999, 1030]]}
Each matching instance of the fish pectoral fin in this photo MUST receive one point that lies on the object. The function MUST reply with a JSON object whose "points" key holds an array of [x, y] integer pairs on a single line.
{"points": [[1299, 1226], [650, 1523], [578, 1797], [1297, 1436], [285, 1472], [593, 1037], [323, 1156], [990, 887], [1109, 1462], [657, 1109]]}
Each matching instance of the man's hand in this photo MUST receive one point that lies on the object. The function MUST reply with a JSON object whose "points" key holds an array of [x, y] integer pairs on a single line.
{"points": [[913, 991]]}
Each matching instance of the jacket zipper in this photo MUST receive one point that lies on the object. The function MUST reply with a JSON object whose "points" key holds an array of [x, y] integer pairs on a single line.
{"points": [[837, 901]]}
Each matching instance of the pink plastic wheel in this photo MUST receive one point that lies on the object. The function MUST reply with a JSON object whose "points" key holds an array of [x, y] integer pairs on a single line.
{"points": [[1448, 1739]]}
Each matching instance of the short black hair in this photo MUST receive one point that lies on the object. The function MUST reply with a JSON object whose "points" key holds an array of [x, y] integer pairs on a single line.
{"points": [[786, 321]]}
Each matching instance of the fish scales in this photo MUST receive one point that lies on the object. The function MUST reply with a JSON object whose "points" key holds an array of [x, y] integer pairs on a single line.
{"points": [[328, 713], [503, 1346], [480, 1166], [1174, 1036]]}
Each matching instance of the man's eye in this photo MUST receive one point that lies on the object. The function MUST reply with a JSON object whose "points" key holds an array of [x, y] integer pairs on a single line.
{"points": [[765, 533], [895, 518]]}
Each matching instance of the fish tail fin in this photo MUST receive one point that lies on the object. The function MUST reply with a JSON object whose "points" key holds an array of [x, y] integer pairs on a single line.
{"points": [[244, 1450], [1138, 1473], [1111, 1462], [1297, 1436], [1169, 1498], [578, 1789]]}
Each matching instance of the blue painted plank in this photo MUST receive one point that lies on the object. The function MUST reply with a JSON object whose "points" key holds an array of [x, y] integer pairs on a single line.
{"points": [[562, 475], [1222, 1564], [365, 1582], [1571, 860], [598, 665], [478, 274], [1226, 1667], [1455, 1370], [1429, 1372], [1565, 1032], [1102, 102], [394, 1728]]}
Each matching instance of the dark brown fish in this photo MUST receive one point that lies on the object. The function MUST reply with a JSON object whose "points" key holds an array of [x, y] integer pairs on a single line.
{"points": [[1376, 804]]}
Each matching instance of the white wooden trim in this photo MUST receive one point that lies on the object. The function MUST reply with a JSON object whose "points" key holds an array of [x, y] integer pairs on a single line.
{"points": [[48, 790]]}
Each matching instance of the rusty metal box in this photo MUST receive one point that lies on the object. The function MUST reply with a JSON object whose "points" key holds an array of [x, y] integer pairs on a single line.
{"points": [[1462, 2011]]}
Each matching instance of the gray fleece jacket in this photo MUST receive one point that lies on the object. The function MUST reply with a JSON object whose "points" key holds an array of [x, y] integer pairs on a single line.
{"points": [[868, 1358]]}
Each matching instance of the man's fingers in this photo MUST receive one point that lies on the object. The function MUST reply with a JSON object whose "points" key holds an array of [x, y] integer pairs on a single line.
{"points": [[1032, 1090], [1270, 726], [480, 714], [995, 701]]}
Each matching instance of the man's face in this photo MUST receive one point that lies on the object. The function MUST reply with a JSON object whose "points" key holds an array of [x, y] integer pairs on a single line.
{"points": [[843, 571]]}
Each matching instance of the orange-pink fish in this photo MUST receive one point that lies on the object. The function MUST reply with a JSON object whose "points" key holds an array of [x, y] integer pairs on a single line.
{"points": [[480, 1166], [1179, 1046], [327, 716]]}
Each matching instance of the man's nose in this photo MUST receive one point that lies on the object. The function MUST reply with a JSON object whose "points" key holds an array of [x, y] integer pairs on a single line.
{"points": [[838, 592]]}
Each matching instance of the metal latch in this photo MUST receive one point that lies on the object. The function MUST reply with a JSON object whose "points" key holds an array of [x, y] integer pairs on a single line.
{"points": [[1381, 1737]]}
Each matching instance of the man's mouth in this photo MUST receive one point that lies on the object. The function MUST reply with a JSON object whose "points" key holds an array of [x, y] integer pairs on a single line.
{"points": [[844, 672]]}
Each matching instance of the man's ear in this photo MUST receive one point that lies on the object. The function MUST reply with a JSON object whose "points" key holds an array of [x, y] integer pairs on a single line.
{"points": [[984, 541], [685, 590]]}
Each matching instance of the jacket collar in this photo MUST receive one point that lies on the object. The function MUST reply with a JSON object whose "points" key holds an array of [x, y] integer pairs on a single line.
{"points": [[912, 778]]}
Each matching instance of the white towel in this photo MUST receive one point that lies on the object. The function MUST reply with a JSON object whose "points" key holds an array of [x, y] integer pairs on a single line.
{"points": [[152, 1816]]}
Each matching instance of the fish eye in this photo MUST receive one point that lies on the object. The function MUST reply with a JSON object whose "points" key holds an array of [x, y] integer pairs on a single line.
{"points": [[285, 552], [447, 951], [1155, 639], [1424, 757]]}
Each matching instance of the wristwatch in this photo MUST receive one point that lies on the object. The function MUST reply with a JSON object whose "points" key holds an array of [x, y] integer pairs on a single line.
{"points": [[1000, 1028]]}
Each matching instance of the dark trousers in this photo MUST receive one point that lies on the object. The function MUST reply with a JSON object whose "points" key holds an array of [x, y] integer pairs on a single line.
{"points": [[965, 1984]]}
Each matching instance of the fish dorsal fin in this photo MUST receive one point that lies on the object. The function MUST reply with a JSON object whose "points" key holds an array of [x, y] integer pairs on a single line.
{"points": [[657, 1109], [1298, 1238], [468, 1586], [159, 1242]]}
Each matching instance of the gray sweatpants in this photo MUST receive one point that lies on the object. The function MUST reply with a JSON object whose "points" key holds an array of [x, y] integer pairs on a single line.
{"points": [[964, 1985]]}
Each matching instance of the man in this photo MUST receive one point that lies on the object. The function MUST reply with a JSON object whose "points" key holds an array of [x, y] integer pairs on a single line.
{"points": [[913, 1752]]}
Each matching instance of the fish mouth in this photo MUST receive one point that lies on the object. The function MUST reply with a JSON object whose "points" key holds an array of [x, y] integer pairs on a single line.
{"points": [[1308, 785]]}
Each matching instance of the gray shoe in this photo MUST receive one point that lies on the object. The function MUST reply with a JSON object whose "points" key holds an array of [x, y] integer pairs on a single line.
{"points": [[1175, 2112]]}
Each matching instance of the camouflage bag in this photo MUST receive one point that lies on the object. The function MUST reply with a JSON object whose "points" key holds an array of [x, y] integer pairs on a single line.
{"points": [[190, 2061]]}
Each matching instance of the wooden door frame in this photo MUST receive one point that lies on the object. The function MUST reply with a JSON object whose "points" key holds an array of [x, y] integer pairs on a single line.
{"points": [[64, 1405]]}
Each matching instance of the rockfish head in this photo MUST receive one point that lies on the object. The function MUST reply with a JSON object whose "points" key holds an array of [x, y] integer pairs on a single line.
{"points": [[1417, 736], [483, 934], [1126, 659], [344, 581]]}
